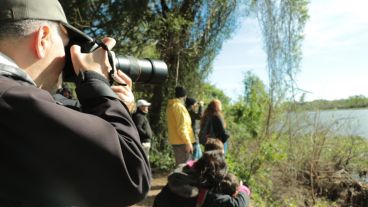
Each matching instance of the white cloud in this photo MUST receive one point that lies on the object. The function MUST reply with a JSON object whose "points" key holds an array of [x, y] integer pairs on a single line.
{"points": [[248, 33], [335, 24]]}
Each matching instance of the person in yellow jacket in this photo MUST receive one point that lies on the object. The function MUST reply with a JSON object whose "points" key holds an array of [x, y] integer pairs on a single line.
{"points": [[179, 123]]}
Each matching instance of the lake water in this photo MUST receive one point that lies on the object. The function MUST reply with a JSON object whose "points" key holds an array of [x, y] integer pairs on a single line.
{"points": [[343, 122]]}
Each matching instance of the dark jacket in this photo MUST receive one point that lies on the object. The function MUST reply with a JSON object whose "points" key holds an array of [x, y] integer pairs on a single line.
{"points": [[143, 126], [67, 102], [217, 128], [51, 155], [182, 191]]}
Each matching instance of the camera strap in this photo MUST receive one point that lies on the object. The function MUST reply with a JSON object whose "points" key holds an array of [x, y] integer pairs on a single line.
{"points": [[111, 62]]}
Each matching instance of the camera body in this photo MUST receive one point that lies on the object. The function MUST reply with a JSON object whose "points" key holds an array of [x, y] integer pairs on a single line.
{"points": [[139, 70]]}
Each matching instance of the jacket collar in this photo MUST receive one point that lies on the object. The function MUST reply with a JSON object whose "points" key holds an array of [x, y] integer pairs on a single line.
{"points": [[10, 69]]}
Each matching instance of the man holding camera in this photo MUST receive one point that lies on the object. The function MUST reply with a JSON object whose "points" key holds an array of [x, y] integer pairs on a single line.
{"points": [[51, 155]]}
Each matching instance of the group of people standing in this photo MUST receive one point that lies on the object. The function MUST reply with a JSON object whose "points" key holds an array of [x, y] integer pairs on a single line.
{"points": [[201, 178], [188, 125], [185, 133]]}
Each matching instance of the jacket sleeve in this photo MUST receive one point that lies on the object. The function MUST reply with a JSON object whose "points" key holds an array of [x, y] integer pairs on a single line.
{"points": [[184, 128], [148, 129], [92, 158], [220, 200]]}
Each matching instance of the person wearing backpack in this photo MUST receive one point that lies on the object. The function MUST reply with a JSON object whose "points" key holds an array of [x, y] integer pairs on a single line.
{"points": [[213, 124]]}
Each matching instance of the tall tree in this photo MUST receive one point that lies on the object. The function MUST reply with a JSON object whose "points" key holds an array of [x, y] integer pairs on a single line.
{"points": [[282, 24], [193, 34], [186, 34]]}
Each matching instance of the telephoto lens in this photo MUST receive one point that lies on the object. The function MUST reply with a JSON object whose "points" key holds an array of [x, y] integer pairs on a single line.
{"points": [[142, 70]]}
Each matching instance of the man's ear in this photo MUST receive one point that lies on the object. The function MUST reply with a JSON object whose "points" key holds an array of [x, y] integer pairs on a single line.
{"points": [[42, 41]]}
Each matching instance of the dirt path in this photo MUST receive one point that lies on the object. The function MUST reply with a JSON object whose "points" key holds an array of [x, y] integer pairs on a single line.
{"points": [[158, 182]]}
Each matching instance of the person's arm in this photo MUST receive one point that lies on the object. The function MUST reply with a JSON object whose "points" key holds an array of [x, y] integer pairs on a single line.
{"points": [[134, 166], [148, 129], [134, 176], [220, 200]]}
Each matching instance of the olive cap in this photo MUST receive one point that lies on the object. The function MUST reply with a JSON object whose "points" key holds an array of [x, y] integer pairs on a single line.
{"points": [[14, 10]]}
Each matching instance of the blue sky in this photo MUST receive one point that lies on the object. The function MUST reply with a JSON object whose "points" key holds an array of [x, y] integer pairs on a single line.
{"points": [[335, 53]]}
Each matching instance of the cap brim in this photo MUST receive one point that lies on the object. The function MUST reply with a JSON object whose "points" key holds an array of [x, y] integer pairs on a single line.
{"points": [[76, 34], [144, 105]]}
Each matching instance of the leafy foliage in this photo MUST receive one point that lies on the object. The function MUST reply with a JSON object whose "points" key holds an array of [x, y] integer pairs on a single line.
{"points": [[250, 110], [187, 35], [161, 157], [210, 92], [282, 23]]}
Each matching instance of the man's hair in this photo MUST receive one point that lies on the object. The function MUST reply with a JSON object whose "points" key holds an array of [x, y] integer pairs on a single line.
{"points": [[21, 28], [180, 92]]}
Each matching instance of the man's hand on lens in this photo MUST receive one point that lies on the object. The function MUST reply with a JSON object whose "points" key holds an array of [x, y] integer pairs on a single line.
{"points": [[124, 93], [96, 61]]}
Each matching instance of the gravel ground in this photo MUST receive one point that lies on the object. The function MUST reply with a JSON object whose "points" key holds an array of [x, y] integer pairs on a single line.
{"points": [[158, 182]]}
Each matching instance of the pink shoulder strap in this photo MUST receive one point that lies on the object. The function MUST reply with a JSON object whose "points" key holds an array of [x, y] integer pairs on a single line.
{"points": [[201, 197]]}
